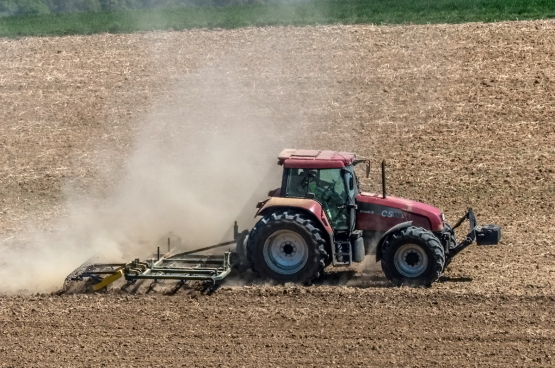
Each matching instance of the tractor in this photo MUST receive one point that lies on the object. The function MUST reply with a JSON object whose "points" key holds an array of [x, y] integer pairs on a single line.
{"points": [[320, 217], [317, 218]]}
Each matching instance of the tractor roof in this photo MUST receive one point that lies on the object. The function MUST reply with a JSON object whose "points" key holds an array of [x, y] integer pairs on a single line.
{"points": [[314, 159]]}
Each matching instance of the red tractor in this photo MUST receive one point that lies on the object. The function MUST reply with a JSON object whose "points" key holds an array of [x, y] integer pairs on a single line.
{"points": [[319, 216]]}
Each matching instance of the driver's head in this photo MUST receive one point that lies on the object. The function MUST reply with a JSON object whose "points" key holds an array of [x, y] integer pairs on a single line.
{"points": [[313, 175]]}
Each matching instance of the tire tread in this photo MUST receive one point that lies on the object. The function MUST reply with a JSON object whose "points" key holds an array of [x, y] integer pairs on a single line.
{"points": [[290, 216], [413, 234]]}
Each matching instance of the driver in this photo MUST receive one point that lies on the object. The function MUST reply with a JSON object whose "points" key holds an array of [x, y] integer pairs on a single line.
{"points": [[327, 194]]}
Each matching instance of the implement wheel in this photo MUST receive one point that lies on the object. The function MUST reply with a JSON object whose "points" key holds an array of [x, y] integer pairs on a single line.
{"points": [[412, 257], [287, 246]]}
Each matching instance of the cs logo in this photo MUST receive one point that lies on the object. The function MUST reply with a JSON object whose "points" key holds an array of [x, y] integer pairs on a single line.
{"points": [[386, 213]]}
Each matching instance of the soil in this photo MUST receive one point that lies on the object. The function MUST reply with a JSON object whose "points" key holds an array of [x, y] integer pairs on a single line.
{"points": [[463, 115]]}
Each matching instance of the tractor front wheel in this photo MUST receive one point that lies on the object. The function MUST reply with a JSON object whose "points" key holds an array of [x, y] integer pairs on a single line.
{"points": [[412, 257], [287, 246]]}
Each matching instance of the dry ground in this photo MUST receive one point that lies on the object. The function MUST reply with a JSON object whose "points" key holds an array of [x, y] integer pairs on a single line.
{"points": [[462, 113]]}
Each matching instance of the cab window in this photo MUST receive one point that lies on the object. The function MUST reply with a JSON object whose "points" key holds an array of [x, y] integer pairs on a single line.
{"points": [[297, 183], [328, 188]]}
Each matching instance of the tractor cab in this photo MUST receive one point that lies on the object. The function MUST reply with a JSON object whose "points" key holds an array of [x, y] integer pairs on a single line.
{"points": [[324, 176], [327, 187], [328, 178]]}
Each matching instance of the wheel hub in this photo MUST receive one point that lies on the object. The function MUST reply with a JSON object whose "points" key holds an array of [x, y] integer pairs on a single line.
{"points": [[411, 260], [288, 249], [285, 252]]}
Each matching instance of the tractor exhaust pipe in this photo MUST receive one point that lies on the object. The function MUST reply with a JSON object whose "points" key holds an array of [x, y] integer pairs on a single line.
{"points": [[383, 179]]}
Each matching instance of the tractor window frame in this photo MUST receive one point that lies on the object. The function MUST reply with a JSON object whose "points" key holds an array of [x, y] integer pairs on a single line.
{"points": [[285, 185], [356, 186]]}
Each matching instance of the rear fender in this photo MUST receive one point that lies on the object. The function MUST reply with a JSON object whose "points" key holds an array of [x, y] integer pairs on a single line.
{"points": [[387, 234], [308, 206]]}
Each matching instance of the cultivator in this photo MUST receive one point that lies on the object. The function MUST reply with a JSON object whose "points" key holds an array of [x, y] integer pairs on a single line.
{"points": [[182, 267]]}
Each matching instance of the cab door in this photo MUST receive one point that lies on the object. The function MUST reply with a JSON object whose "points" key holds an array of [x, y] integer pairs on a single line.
{"points": [[352, 192]]}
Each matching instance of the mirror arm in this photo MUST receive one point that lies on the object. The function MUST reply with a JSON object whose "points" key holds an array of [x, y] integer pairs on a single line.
{"points": [[356, 162]]}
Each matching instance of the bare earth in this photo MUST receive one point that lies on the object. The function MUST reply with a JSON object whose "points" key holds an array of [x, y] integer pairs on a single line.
{"points": [[463, 114]]}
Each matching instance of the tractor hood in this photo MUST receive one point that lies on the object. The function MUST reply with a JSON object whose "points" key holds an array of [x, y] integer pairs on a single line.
{"points": [[387, 212]]}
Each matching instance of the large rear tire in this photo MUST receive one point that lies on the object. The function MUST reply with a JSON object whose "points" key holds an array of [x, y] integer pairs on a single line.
{"points": [[412, 257], [287, 246]]}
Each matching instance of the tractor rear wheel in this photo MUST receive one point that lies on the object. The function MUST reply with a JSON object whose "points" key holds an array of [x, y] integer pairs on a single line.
{"points": [[412, 257], [287, 246]]}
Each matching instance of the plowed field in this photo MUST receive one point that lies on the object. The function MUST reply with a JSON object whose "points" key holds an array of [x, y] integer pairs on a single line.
{"points": [[463, 114]]}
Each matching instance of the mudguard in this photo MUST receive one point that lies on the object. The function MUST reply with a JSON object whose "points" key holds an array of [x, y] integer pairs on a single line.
{"points": [[386, 235], [307, 205]]}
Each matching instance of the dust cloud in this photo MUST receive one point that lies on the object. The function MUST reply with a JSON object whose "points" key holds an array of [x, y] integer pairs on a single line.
{"points": [[201, 160]]}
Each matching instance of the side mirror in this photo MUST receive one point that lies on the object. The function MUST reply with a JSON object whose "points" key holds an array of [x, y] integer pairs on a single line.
{"points": [[356, 162], [310, 195]]}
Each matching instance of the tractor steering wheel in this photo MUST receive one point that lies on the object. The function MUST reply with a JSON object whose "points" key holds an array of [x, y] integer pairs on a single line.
{"points": [[328, 193]]}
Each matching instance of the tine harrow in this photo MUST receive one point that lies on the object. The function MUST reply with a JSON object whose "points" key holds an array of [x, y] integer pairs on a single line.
{"points": [[182, 267]]}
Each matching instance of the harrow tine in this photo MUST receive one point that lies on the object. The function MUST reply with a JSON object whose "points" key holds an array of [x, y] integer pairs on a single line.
{"points": [[210, 287], [152, 284], [178, 286], [129, 283]]}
